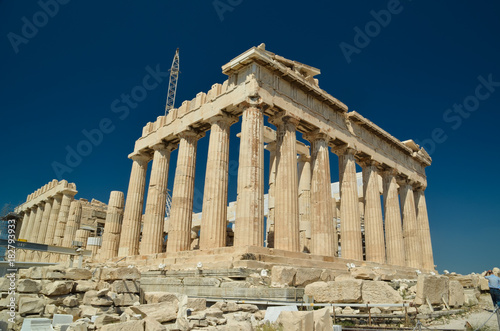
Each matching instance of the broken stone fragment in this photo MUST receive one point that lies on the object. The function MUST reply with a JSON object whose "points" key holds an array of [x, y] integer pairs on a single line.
{"points": [[77, 274], [363, 273], [125, 299], [281, 276], [322, 319], [162, 312], [153, 325], [29, 286], [157, 297], [29, 305], [85, 285], [345, 291], [307, 276], [125, 326], [197, 304], [120, 273], [296, 320], [379, 292], [70, 301], [106, 319], [125, 286], [102, 292], [88, 311], [432, 288], [456, 295], [59, 287]]}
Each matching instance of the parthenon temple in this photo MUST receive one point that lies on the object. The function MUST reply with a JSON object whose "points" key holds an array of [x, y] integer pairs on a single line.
{"points": [[383, 221]]}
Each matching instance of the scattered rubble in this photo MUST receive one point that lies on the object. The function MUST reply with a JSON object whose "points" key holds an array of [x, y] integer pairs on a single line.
{"points": [[111, 298]]}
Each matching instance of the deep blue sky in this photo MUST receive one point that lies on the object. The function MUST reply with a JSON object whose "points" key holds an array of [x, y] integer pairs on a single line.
{"points": [[64, 78]]}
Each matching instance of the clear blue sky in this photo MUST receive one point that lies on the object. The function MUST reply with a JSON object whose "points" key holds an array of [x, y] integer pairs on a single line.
{"points": [[61, 73]]}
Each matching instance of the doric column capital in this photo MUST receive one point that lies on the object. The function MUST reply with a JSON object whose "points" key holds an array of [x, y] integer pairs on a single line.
{"points": [[303, 158], [271, 146], [191, 135], [164, 146], [346, 149], [389, 172], [68, 193], [141, 158], [159, 146], [253, 103], [223, 118], [368, 162], [405, 181], [316, 135], [417, 186], [283, 117]]}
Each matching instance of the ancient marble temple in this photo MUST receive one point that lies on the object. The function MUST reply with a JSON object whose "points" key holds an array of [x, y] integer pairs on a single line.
{"points": [[394, 231], [52, 216]]}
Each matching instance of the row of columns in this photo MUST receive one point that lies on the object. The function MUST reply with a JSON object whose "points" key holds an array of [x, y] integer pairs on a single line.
{"points": [[405, 242], [45, 222], [215, 197], [401, 243], [56, 221]]}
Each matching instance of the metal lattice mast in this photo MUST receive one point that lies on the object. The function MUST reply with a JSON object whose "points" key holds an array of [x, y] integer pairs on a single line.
{"points": [[172, 85], [168, 205]]}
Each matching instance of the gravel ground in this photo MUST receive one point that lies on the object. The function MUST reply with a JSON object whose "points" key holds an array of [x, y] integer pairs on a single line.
{"points": [[476, 317]]}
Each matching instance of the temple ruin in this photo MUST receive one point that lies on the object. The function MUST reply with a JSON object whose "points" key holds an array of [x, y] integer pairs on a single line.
{"points": [[52, 216], [301, 215], [261, 84]]}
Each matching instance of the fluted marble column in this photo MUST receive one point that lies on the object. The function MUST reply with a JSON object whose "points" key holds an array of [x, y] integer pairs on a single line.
{"points": [[83, 235], [132, 215], [73, 224], [25, 224], [51, 226], [181, 213], [112, 226], [271, 147], [33, 235], [286, 223], [324, 240], [424, 230], [214, 214], [374, 225], [305, 202], [395, 249], [38, 221], [62, 218], [42, 233], [26, 230], [350, 225], [410, 225], [249, 224], [154, 219]]}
